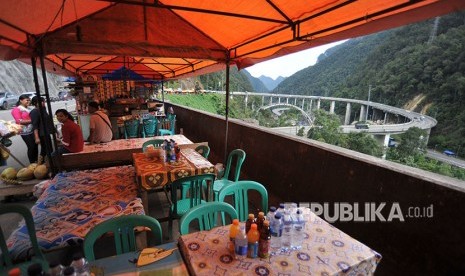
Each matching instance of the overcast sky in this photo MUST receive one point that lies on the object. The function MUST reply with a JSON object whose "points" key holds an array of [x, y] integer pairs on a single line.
{"points": [[288, 65]]}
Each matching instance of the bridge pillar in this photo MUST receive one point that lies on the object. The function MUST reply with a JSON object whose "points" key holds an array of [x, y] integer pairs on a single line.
{"points": [[318, 102], [271, 100], [362, 113], [303, 103], [331, 107], [287, 100], [263, 100], [295, 102], [385, 117], [246, 99], [347, 117], [279, 99], [311, 105], [383, 140]]}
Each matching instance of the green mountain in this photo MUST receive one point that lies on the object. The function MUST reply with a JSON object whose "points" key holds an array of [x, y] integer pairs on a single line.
{"points": [[420, 67]]}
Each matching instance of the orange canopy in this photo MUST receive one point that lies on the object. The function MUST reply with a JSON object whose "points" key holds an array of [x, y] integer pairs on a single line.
{"points": [[172, 38]]}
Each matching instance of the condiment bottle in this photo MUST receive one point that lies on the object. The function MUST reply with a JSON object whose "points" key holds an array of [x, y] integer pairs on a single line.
{"points": [[252, 238], [249, 222], [233, 230], [264, 242]]}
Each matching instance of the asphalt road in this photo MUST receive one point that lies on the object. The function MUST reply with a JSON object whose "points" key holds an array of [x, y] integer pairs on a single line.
{"points": [[446, 159], [18, 148]]}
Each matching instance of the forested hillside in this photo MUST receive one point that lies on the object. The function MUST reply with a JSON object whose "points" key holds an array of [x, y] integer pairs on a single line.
{"points": [[424, 60]]}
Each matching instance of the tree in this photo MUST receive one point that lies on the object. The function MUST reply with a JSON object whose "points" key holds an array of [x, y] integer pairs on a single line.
{"points": [[364, 143], [301, 132], [326, 128], [412, 142]]}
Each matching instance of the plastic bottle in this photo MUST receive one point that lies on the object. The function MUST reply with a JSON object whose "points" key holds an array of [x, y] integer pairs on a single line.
{"points": [[264, 242], [56, 269], [249, 223], [80, 264], [69, 271], [14, 272], [241, 244], [276, 230], [281, 208], [299, 230], [252, 241], [260, 219], [233, 231], [271, 213], [286, 239]]}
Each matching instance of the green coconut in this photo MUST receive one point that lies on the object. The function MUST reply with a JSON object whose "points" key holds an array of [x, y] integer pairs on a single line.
{"points": [[41, 172], [9, 173]]}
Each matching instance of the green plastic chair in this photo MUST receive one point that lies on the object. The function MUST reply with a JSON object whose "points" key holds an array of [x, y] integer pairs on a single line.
{"points": [[5, 259], [204, 150], [239, 192], [238, 156], [206, 215], [180, 206], [122, 228], [149, 127], [158, 143], [131, 129], [168, 125]]}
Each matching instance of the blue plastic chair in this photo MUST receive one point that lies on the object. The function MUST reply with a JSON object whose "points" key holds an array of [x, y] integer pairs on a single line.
{"points": [[6, 263], [240, 198], [237, 156], [180, 206], [149, 127], [167, 126], [122, 228], [131, 129], [206, 216]]}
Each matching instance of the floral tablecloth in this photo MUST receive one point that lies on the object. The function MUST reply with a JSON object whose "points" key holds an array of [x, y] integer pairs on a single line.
{"points": [[325, 251], [125, 144], [154, 173], [73, 203]]}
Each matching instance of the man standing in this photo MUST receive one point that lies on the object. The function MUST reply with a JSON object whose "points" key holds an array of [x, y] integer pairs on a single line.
{"points": [[100, 125]]}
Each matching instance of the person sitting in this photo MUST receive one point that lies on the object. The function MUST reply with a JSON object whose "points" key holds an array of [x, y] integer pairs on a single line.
{"points": [[100, 125], [72, 139]]}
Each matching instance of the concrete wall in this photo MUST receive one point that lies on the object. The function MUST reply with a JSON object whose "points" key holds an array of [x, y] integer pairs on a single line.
{"points": [[299, 170]]}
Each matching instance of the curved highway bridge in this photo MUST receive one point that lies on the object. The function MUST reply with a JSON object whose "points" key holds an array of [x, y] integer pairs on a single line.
{"points": [[387, 119]]}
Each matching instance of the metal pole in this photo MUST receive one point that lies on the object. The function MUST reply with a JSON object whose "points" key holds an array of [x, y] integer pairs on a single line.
{"points": [[48, 144], [227, 110], [368, 105]]}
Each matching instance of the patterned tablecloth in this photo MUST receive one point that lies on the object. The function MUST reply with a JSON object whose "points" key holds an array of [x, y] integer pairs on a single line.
{"points": [[155, 173], [125, 144], [325, 251], [73, 203]]}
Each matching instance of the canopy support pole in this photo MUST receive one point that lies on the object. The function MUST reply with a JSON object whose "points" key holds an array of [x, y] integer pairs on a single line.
{"points": [[227, 109], [48, 142]]}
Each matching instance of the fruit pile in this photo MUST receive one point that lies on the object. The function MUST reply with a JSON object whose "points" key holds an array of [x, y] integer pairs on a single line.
{"points": [[11, 176]]}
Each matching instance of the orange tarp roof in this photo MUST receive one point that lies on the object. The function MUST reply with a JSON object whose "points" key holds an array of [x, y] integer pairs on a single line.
{"points": [[173, 38]]}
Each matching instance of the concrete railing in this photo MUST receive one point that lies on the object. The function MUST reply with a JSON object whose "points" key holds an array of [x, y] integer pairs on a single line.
{"points": [[301, 170]]}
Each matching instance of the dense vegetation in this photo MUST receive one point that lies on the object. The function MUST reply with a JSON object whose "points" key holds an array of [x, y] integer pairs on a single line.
{"points": [[425, 61]]}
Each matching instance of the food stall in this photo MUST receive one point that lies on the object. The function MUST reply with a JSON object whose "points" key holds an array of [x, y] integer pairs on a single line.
{"points": [[123, 94]]}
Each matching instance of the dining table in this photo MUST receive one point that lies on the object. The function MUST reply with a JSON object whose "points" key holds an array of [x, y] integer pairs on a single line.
{"points": [[325, 250], [154, 172], [125, 264]]}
